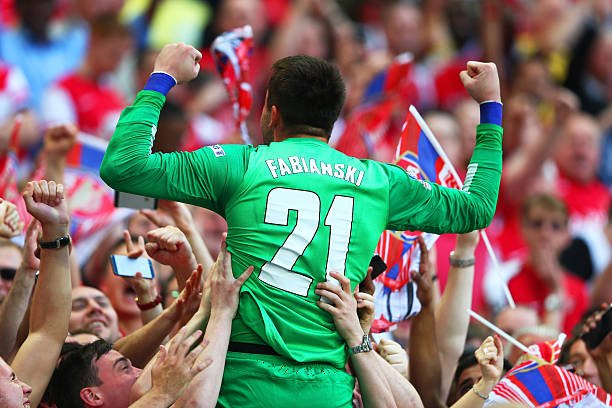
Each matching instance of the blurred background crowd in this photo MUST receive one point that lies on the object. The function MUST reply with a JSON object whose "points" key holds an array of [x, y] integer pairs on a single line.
{"points": [[69, 67]]}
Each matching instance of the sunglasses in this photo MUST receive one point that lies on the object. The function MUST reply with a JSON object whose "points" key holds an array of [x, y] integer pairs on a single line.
{"points": [[8, 274], [539, 223]]}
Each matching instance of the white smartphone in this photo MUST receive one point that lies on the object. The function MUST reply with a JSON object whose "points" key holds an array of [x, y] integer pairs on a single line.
{"points": [[135, 201], [124, 266]]}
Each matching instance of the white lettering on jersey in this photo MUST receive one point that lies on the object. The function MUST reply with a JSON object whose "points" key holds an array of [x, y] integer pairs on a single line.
{"points": [[298, 164], [295, 164], [272, 168], [326, 169], [350, 174], [217, 150], [339, 173], [313, 166], [284, 169], [304, 165], [359, 178]]}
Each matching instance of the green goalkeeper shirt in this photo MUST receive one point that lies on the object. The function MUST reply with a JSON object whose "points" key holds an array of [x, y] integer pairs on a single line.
{"points": [[296, 210]]}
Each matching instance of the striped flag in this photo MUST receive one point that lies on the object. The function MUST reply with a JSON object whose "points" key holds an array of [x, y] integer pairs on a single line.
{"points": [[232, 51], [424, 160], [549, 351], [536, 383], [87, 153]]}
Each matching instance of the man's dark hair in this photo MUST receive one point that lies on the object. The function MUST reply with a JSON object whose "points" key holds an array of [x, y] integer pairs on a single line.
{"points": [[308, 92], [75, 372]]}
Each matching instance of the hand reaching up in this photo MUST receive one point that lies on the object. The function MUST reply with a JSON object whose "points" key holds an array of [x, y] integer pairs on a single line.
{"points": [[45, 201], [490, 356], [59, 140], [365, 302], [181, 61], [423, 277], [145, 289], [176, 366], [481, 81], [169, 246], [343, 308], [394, 354], [10, 223], [224, 288]]}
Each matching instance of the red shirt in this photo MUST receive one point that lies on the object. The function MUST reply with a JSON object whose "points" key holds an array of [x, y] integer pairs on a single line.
{"points": [[95, 108], [528, 289], [590, 200]]}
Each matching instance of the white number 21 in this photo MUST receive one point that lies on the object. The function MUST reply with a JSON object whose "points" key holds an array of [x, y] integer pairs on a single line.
{"points": [[278, 272]]}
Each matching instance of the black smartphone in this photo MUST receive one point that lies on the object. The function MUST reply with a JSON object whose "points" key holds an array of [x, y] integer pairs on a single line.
{"points": [[378, 266], [134, 201], [595, 336]]}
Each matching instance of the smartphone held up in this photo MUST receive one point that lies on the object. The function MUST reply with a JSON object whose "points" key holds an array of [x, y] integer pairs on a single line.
{"points": [[129, 267]]}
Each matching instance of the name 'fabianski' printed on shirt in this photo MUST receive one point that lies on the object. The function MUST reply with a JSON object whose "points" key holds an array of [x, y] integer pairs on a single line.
{"points": [[294, 165]]}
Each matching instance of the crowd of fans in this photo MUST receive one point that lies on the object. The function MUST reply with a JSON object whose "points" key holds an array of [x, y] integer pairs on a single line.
{"points": [[73, 334]]}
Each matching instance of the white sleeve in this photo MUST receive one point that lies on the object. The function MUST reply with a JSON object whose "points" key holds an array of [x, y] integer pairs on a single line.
{"points": [[14, 95], [57, 107], [17, 88]]}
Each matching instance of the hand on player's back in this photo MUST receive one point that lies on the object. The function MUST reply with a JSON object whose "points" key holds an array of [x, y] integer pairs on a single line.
{"points": [[224, 289], [179, 60], [343, 308], [481, 81]]}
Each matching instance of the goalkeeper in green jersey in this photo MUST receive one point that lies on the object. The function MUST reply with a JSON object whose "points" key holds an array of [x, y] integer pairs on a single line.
{"points": [[296, 210]]}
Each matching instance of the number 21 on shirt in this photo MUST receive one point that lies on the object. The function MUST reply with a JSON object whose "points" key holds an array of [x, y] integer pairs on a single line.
{"points": [[278, 271]]}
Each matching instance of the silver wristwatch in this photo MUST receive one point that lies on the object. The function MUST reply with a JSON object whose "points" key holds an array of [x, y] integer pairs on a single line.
{"points": [[365, 345]]}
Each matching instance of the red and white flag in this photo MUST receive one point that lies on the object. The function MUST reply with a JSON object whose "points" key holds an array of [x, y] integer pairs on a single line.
{"points": [[232, 52]]}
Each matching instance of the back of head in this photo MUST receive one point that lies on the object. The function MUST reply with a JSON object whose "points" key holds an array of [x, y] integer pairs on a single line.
{"points": [[75, 372], [309, 94]]}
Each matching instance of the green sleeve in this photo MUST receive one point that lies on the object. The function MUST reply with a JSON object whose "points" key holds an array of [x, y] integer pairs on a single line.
{"points": [[206, 177], [421, 206]]}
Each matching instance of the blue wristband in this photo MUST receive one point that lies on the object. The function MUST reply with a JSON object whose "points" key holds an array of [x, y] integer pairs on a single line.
{"points": [[491, 112], [160, 82]]}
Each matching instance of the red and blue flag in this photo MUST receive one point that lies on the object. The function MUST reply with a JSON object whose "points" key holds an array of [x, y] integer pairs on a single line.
{"points": [[536, 383], [87, 153], [423, 159]]}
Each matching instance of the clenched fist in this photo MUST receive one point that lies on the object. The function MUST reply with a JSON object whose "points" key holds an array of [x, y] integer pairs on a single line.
{"points": [[181, 61], [481, 81], [59, 140]]}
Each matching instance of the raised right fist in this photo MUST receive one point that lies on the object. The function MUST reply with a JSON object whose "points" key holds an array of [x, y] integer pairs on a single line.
{"points": [[179, 60], [481, 81], [45, 201], [59, 140]]}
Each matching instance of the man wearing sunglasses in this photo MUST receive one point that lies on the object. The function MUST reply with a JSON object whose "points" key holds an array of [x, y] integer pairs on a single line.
{"points": [[559, 297]]}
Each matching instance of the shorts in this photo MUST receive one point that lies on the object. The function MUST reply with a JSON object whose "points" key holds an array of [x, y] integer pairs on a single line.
{"points": [[260, 380]]}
